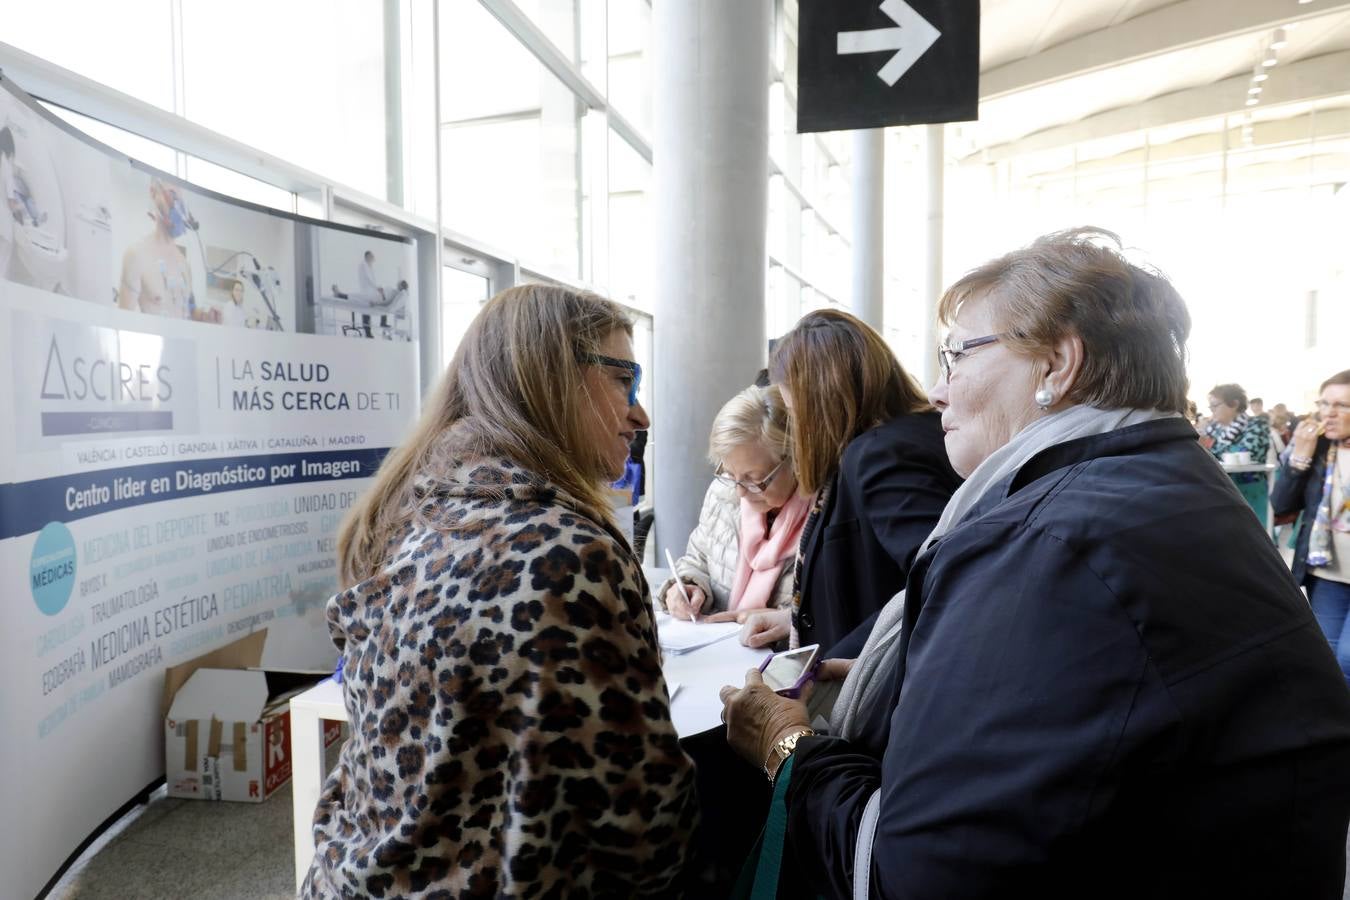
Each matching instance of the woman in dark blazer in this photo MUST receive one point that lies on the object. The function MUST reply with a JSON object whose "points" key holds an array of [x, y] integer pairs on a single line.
{"points": [[1322, 550], [1102, 680], [868, 449]]}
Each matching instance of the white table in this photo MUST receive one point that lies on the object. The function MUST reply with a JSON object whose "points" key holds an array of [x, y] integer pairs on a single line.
{"points": [[701, 675], [696, 708]]}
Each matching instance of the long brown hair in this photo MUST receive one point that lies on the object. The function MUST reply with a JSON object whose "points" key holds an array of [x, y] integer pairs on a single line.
{"points": [[514, 389], [843, 380]]}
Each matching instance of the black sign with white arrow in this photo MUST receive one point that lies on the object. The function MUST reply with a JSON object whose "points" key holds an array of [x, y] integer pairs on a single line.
{"points": [[871, 63]]}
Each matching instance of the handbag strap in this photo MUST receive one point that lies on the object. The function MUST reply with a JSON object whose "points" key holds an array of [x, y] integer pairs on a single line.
{"points": [[862, 852], [766, 859]]}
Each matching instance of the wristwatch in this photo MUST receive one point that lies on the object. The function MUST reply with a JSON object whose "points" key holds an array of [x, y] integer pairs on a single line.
{"points": [[782, 750]]}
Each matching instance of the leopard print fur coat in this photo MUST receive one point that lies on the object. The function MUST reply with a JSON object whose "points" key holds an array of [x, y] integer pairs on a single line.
{"points": [[511, 731]]}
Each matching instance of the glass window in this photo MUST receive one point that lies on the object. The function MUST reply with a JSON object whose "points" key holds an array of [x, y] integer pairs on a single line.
{"points": [[510, 145], [630, 226], [197, 171], [302, 80], [557, 19], [462, 295], [127, 45], [147, 151], [778, 200], [234, 184], [778, 124], [630, 77], [790, 50], [778, 314], [793, 225]]}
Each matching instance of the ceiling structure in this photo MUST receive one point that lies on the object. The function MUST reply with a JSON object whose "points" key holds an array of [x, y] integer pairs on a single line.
{"points": [[1091, 89]]}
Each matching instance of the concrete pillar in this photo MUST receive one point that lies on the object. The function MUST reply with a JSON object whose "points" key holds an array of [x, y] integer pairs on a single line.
{"points": [[869, 226], [934, 173], [710, 206]]}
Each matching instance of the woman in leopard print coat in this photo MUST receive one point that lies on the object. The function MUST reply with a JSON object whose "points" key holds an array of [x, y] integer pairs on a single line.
{"points": [[511, 732]]}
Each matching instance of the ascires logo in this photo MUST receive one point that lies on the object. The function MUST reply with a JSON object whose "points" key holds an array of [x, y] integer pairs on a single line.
{"points": [[102, 379]]}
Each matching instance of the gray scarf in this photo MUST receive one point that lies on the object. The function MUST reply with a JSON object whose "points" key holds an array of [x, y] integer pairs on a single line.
{"points": [[875, 669]]}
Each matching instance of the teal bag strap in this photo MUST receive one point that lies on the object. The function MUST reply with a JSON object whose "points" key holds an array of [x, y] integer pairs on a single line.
{"points": [[759, 875]]}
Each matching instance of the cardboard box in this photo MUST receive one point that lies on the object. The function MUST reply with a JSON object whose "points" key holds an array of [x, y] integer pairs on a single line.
{"points": [[227, 724]]}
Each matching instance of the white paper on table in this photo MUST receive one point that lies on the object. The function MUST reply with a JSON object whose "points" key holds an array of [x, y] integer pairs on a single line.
{"points": [[682, 636]]}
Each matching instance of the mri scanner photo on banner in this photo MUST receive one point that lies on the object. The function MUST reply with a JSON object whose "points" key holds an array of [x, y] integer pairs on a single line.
{"points": [[35, 216], [55, 219], [42, 223], [48, 230]]}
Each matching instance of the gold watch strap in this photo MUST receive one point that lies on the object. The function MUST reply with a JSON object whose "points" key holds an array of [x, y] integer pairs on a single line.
{"points": [[780, 751]]}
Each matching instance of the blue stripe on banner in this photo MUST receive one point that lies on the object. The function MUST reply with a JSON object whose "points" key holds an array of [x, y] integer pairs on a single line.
{"points": [[27, 506]]}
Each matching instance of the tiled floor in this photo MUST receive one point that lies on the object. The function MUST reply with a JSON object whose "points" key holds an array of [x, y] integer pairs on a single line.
{"points": [[180, 849]]}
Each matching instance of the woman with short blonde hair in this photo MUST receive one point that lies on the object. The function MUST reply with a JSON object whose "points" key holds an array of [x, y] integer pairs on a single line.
{"points": [[739, 557], [497, 635]]}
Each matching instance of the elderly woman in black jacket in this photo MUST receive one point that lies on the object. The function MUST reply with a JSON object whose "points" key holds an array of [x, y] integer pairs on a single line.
{"points": [[1315, 479], [1102, 680]]}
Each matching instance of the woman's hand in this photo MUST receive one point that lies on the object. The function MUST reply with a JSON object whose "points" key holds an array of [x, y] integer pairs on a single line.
{"points": [[834, 669], [757, 718], [765, 627], [1305, 437], [675, 602]]}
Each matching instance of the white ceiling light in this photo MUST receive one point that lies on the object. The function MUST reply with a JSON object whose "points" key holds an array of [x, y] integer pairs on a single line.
{"points": [[1260, 74], [1254, 90], [1279, 39], [1252, 101], [1269, 59]]}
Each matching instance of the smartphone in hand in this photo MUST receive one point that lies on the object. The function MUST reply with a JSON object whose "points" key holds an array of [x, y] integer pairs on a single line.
{"points": [[788, 673]]}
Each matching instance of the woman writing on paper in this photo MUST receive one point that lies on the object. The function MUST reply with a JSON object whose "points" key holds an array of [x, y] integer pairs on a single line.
{"points": [[740, 555]]}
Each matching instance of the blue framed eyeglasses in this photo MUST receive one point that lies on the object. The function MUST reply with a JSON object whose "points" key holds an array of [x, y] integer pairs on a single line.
{"points": [[626, 364]]}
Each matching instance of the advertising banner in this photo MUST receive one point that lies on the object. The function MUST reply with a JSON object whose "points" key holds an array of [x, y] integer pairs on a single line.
{"points": [[199, 389]]}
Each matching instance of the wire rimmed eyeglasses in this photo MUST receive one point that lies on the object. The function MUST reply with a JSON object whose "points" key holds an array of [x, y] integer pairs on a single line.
{"points": [[951, 352], [750, 487]]}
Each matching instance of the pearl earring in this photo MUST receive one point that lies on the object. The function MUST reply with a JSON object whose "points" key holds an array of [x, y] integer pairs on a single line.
{"points": [[1044, 398]]}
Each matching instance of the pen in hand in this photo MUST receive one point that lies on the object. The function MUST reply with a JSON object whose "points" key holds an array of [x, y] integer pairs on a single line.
{"points": [[684, 591]]}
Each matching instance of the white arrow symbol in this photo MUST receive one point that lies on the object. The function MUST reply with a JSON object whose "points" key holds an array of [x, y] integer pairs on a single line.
{"points": [[910, 41]]}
